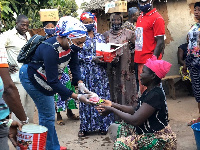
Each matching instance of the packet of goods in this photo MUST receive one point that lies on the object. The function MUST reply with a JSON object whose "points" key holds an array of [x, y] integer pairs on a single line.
{"points": [[96, 100]]}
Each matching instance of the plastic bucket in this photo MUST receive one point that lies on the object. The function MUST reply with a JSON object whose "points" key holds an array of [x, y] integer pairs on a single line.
{"points": [[196, 129], [32, 137]]}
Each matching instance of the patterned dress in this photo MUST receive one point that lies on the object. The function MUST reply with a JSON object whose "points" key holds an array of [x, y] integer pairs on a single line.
{"points": [[193, 59], [70, 104], [95, 78]]}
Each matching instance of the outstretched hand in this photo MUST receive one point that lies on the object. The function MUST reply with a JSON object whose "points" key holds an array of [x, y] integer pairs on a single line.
{"points": [[104, 110], [13, 132]]}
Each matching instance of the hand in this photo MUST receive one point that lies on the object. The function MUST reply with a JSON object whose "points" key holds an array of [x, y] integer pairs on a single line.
{"points": [[82, 88], [12, 68], [97, 59], [104, 110], [13, 132], [106, 103], [184, 70], [84, 98], [116, 59]]}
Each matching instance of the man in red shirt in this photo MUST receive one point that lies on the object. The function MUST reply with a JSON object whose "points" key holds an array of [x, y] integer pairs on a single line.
{"points": [[150, 31]]}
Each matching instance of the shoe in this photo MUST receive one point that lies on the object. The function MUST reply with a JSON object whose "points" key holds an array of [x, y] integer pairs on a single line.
{"points": [[63, 148], [103, 132], [81, 133], [194, 121]]}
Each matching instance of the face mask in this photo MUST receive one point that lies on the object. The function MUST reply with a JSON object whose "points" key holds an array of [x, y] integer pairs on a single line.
{"points": [[116, 26], [145, 8], [90, 27], [49, 31], [74, 47]]}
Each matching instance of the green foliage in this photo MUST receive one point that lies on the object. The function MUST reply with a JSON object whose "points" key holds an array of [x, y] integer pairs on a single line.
{"points": [[31, 8]]}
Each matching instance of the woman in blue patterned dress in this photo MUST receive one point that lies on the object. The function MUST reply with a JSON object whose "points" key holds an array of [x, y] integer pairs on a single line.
{"points": [[95, 78]]}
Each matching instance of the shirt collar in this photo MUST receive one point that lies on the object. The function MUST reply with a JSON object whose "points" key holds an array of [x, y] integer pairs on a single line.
{"points": [[150, 12], [17, 33]]}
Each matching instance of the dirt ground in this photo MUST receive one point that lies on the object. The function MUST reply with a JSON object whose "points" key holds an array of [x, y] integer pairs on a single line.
{"points": [[181, 111]]}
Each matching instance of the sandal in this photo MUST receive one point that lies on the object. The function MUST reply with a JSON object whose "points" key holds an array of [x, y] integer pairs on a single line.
{"points": [[73, 117], [103, 132], [63, 148], [194, 121], [81, 134], [60, 122]]}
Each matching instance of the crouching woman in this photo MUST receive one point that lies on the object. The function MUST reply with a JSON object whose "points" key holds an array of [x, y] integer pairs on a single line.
{"points": [[145, 124]]}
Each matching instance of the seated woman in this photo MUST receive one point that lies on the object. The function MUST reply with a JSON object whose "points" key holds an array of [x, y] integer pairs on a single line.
{"points": [[145, 124], [184, 72]]}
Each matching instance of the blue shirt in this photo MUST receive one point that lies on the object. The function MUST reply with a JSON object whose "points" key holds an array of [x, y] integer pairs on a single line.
{"points": [[45, 75]]}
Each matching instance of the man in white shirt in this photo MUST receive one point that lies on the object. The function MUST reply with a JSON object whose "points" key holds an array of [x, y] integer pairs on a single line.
{"points": [[13, 40]]}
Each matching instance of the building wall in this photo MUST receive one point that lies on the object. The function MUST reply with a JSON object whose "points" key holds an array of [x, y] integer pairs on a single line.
{"points": [[180, 19]]}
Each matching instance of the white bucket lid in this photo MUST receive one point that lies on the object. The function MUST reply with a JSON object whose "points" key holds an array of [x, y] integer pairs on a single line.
{"points": [[33, 128]]}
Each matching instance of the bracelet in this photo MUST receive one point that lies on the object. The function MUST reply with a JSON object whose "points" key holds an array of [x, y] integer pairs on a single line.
{"points": [[25, 122], [9, 123]]}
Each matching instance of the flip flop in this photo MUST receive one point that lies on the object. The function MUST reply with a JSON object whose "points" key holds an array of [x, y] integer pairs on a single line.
{"points": [[193, 121], [73, 117], [81, 134], [60, 122], [63, 148]]}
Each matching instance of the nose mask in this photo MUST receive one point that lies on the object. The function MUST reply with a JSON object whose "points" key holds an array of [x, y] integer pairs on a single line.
{"points": [[49, 31], [145, 8], [116, 26], [90, 27], [74, 47]]}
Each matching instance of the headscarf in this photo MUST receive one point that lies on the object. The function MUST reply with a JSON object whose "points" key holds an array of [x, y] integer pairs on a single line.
{"points": [[70, 27], [160, 67], [86, 15]]}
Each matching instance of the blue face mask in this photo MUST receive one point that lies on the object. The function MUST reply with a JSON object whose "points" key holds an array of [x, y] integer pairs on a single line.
{"points": [[74, 47], [145, 8], [90, 27], [49, 31]]}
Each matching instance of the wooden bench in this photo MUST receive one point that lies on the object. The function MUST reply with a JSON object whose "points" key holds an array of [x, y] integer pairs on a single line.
{"points": [[170, 81]]}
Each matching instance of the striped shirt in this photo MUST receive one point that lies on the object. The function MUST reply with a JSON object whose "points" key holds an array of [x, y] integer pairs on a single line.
{"points": [[45, 76]]}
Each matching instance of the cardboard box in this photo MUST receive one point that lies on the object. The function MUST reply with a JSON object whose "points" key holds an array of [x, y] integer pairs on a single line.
{"points": [[49, 15], [192, 1], [109, 50], [120, 6]]}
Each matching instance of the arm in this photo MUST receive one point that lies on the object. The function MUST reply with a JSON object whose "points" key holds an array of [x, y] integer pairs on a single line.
{"points": [[11, 95], [75, 68], [159, 46], [180, 57], [159, 32], [139, 117], [124, 108]]}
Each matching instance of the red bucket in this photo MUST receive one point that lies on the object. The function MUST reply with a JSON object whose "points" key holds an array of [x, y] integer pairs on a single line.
{"points": [[32, 137]]}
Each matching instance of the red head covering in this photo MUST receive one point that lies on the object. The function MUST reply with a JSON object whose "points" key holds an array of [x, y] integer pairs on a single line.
{"points": [[160, 67]]}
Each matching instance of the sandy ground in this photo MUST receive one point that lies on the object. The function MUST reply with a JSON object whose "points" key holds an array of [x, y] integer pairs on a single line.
{"points": [[181, 111]]}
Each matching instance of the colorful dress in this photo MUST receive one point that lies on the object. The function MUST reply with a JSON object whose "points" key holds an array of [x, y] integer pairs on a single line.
{"points": [[70, 104], [122, 79], [193, 59], [95, 78]]}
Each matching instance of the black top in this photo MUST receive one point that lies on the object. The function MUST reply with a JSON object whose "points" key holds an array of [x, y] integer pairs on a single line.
{"points": [[159, 119], [184, 47]]}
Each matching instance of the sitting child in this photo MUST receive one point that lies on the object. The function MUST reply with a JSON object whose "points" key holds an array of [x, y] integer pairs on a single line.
{"points": [[145, 124]]}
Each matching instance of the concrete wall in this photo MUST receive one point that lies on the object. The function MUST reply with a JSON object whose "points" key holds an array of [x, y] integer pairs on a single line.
{"points": [[180, 19]]}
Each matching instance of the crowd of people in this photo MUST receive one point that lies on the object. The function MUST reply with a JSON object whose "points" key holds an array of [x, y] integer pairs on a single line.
{"points": [[134, 110]]}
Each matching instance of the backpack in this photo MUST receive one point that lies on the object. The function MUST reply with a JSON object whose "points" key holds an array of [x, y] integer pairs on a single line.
{"points": [[28, 50]]}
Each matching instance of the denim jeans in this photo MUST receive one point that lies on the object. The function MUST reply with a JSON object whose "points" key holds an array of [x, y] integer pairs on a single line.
{"points": [[46, 109]]}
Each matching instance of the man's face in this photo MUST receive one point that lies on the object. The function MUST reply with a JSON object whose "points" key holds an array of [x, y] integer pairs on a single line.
{"points": [[22, 26]]}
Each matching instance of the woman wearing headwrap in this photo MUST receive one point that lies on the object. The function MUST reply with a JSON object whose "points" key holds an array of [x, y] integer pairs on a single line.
{"points": [[145, 123], [40, 77], [193, 58], [121, 77], [95, 78]]}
